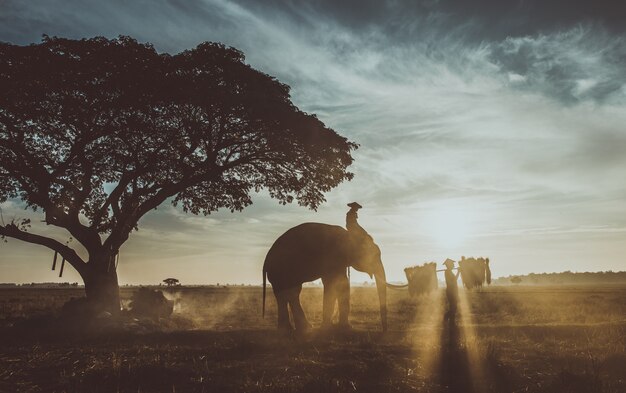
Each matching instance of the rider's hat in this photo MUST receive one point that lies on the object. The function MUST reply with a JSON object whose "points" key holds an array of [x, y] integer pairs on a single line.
{"points": [[354, 205]]}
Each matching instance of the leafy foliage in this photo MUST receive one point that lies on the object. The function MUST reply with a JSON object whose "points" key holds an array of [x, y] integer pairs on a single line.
{"points": [[171, 282], [98, 132]]}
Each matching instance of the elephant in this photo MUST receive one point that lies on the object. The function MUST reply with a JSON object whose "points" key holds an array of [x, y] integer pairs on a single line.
{"points": [[313, 250]]}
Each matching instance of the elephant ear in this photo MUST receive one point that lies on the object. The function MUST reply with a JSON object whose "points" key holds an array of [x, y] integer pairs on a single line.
{"points": [[362, 240], [372, 246]]}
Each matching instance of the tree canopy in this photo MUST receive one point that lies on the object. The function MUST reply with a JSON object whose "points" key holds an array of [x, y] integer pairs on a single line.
{"points": [[97, 132], [171, 282]]}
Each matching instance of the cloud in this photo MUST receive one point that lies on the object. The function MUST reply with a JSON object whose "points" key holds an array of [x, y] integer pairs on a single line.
{"points": [[584, 63]]}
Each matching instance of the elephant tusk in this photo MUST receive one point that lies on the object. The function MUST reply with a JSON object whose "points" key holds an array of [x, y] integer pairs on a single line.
{"points": [[394, 286]]}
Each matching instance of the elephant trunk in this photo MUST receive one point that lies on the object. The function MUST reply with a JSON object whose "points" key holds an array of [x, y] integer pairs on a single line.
{"points": [[381, 286]]}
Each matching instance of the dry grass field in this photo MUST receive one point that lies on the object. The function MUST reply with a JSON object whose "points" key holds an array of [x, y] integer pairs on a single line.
{"points": [[507, 339]]}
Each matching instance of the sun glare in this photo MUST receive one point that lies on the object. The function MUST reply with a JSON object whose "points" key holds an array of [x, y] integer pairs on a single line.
{"points": [[448, 225]]}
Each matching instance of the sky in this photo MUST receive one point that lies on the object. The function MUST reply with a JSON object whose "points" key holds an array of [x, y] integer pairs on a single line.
{"points": [[491, 128]]}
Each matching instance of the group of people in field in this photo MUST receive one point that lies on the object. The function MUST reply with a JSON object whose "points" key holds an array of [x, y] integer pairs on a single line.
{"points": [[451, 277]]}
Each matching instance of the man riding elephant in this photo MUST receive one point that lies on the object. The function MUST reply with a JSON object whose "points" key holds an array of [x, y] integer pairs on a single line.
{"points": [[352, 225], [311, 251]]}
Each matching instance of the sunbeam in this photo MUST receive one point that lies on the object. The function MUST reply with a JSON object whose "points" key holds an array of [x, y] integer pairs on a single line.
{"points": [[470, 341], [424, 332]]}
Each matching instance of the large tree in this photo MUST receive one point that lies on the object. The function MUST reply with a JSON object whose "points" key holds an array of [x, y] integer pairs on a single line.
{"points": [[95, 133]]}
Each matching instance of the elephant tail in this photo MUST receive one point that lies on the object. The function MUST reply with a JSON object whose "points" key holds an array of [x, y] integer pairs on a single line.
{"points": [[264, 284]]}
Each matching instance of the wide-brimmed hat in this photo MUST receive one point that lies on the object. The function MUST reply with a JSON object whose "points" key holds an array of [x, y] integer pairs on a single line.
{"points": [[355, 205], [447, 262]]}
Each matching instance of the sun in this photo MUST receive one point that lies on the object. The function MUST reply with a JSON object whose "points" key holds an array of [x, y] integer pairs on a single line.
{"points": [[449, 227]]}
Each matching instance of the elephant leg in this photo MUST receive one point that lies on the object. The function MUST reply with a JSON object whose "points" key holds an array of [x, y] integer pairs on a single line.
{"points": [[343, 291], [330, 298], [299, 318], [283, 312]]}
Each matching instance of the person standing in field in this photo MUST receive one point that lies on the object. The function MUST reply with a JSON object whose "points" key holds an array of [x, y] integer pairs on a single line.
{"points": [[452, 290]]}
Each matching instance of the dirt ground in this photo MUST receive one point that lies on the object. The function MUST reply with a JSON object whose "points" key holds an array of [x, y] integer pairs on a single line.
{"points": [[506, 339]]}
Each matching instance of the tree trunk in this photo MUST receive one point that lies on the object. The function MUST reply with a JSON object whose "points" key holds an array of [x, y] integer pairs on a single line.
{"points": [[101, 286]]}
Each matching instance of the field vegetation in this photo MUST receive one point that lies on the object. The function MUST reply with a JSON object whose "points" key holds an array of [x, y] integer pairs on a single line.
{"points": [[506, 339]]}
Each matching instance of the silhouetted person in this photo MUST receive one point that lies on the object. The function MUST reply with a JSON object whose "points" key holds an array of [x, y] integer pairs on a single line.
{"points": [[353, 226], [352, 216], [452, 290]]}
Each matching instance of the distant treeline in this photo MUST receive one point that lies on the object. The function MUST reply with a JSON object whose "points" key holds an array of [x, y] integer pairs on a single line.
{"points": [[39, 285], [567, 277]]}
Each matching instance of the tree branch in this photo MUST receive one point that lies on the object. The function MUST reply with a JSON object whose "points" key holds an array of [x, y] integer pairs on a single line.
{"points": [[112, 200], [87, 236], [11, 230], [122, 230]]}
